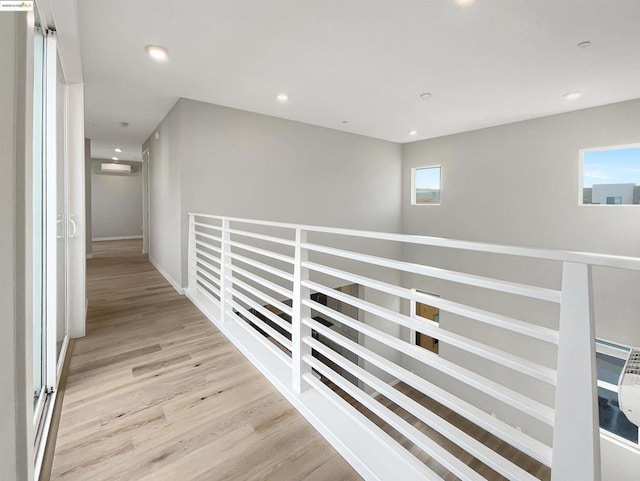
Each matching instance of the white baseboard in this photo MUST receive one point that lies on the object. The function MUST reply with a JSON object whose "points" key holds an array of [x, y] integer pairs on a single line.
{"points": [[169, 279], [125, 237]]}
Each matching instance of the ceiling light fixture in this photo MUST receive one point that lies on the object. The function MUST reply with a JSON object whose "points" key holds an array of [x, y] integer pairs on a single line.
{"points": [[157, 53], [585, 44], [413, 132], [425, 96], [464, 3], [115, 158], [572, 95], [282, 98], [117, 149]]}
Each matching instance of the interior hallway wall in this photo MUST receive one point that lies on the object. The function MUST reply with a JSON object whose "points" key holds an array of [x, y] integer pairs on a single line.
{"points": [[116, 202]]}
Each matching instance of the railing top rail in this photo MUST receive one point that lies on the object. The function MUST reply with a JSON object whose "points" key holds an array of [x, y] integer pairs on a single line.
{"points": [[603, 260]]}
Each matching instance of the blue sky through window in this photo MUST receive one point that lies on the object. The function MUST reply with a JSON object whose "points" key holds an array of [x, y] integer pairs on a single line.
{"points": [[616, 166], [428, 178]]}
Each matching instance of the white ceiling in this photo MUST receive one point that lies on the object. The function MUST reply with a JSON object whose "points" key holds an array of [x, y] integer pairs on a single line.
{"points": [[364, 61]]}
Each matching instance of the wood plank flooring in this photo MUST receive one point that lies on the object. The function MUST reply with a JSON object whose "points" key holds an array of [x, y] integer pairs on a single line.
{"points": [[155, 392]]}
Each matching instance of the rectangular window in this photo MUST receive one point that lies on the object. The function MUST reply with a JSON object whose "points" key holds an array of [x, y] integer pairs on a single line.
{"points": [[611, 176], [425, 186]]}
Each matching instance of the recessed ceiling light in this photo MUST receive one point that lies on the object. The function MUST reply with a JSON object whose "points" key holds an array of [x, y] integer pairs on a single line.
{"points": [[413, 132], [115, 158], [464, 2], [585, 44], [157, 53], [425, 96], [572, 95], [345, 121], [282, 98], [117, 149], [124, 124]]}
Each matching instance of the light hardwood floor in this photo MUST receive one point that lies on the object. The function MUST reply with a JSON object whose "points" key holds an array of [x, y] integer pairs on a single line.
{"points": [[155, 392]]}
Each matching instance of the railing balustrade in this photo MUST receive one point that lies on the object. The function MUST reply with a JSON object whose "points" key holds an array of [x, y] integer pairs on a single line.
{"points": [[263, 284]]}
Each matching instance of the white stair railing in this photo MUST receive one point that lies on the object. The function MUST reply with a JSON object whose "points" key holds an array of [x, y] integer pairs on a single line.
{"points": [[259, 282]]}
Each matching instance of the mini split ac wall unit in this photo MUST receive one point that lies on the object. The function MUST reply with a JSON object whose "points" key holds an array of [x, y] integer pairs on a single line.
{"points": [[115, 168]]}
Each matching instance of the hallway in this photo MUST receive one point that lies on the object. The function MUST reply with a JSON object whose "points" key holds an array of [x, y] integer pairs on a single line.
{"points": [[155, 392]]}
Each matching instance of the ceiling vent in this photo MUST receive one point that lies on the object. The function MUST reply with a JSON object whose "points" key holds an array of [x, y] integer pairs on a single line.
{"points": [[115, 168]]}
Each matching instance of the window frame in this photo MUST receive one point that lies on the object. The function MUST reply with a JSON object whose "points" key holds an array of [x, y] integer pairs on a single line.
{"points": [[413, 184], [581, 173]]}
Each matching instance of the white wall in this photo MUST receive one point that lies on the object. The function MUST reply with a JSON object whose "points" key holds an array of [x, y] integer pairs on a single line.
{"points": [[165, 251], [238, 163], [116, 202], [518, 184], [16, 394]]}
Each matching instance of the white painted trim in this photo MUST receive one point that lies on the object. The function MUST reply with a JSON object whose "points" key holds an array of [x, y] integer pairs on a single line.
{"points": [[124, 237], [179, 289]]}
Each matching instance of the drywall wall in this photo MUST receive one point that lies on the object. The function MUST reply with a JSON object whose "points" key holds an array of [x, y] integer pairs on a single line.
{"points": [[15, 142], [116, 202], [518, 184], [164, 171], [243, 164]]}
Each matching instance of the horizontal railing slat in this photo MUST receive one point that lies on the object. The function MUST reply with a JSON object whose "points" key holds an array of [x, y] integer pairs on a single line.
{"points": [[208, 246], [504, 322], [208, 226], [446, 429], [493, 389], [272, 316], [524, 290], [262, 325], [211, 292], [268, 238], [208, 255], [265, 267], [208, 236], [430, 328], [272, 286], [262, 252], [209, 278], [261, 295], [211, 267]]}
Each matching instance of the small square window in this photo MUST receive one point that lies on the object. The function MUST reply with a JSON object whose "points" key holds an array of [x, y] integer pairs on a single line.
{"points": [[611, 176], [425, 186]]}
